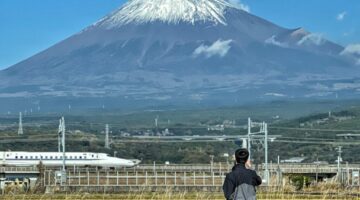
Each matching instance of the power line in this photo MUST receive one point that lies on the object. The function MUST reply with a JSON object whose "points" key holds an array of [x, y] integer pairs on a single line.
{"points": [[313, 129], [129, 140], [316, 142]]}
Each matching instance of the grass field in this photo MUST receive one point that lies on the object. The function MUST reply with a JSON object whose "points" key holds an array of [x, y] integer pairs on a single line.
{"points": [[320, 191]]}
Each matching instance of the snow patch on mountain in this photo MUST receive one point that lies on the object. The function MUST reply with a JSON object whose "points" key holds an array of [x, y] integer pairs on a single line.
{"points": [[313, 38], [272, 40], [169, 11], [218, 48], [300, 32]]}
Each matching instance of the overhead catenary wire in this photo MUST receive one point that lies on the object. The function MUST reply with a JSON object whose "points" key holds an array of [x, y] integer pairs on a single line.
{"points": [[178, 127], [290, 140], [314, 129]]}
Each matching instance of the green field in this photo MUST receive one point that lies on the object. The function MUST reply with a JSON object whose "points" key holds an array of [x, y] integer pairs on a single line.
{"points": [[295, 121]]}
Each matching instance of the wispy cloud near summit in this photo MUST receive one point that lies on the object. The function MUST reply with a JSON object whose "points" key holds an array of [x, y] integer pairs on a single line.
{"points": [[352, 49], [239, 4]]}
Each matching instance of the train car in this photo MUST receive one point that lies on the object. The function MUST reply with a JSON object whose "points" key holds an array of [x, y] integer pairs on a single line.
{"points": [[55, 159]]}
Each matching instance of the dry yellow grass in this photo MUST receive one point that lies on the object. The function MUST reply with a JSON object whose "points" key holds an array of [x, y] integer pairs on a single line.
{"points": [[178, 195], [320, 192]]}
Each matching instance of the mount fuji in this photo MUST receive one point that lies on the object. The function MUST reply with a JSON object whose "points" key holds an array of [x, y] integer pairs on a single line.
{"points": [[185, 51]]}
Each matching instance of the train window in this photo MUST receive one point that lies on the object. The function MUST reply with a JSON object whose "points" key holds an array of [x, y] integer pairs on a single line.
{"points": [[80, 157], [7, 155], [66, 157], [92, 155], [16, 157], [31, 157], [36, 157], [46, 157], [56, 157], [70, 157], [26, 157], [61, 157], [21, 157]]}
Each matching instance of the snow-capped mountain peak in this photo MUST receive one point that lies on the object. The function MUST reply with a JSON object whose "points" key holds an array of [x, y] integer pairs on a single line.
{"points": [[169, 11]]}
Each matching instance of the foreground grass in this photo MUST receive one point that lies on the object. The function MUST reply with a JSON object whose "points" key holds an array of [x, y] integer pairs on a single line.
{"points": [[177, 195]]}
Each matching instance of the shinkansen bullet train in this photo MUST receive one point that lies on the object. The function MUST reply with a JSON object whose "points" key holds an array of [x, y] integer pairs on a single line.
{"points": [[55, 159]]}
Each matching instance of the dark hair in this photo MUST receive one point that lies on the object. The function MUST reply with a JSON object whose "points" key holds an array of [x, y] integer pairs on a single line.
{"points": [[241, 155]]}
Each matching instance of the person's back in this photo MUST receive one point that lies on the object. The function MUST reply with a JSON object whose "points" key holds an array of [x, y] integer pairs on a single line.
{"points": [[241, 182]]}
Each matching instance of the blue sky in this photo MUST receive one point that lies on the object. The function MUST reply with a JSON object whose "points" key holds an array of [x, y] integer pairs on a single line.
{"points": [[30, 26]]}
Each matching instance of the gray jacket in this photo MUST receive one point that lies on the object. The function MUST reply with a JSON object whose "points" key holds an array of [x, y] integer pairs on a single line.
{"points": [[240, 183]]}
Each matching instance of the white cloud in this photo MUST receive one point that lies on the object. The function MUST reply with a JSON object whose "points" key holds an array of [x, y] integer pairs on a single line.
{"points": [[341, 16], [272, 40], [313, 38], [240, 5], [17, 94], [354, 50], [351, 49], [319, 94], [320, 87], [197, 97], [219, 48], [346, 86], [275, 94]]}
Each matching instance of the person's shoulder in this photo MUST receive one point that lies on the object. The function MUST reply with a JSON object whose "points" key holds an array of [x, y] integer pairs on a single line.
{"points": [[252, 172], [231, 175], [249, 171]]}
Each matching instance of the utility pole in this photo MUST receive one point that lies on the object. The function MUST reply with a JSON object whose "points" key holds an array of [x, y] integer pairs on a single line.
{"points": [[266, 153], [340, 151], [249, 138], [263, 130], [339, 161], [156, 125], [279, 177], [63, 141], [59, 135], [107, 143], [156, 121], [20, 131], [212, 163]]}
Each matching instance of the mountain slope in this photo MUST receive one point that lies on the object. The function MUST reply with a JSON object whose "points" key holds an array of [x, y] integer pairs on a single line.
{"points": [[183, 50]]}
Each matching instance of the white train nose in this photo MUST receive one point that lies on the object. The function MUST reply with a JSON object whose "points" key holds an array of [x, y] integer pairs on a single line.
{"points": [[136, 162]]}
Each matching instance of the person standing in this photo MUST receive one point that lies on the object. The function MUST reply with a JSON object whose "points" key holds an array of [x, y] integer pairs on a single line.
{"points": [[241, 182]]}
